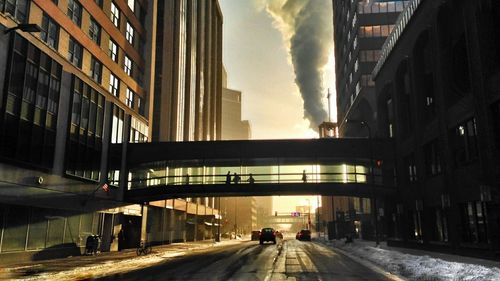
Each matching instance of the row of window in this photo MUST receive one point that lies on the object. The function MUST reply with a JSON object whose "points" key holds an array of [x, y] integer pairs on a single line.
{"points": [[31, 106], [382, 7], [83, 157], [367, 31], [369, 55], [463, 142]]}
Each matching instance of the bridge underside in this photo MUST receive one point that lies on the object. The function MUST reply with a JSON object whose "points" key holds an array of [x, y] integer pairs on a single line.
{"points": [[225, 190]]}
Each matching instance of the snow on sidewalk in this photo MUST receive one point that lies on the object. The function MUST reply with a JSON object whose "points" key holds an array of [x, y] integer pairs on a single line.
{"points": [[414, 267], [111, 267]]}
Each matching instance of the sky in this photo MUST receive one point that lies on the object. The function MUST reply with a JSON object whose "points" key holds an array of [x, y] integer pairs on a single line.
{"points": [[258, 63], [257, 56]]}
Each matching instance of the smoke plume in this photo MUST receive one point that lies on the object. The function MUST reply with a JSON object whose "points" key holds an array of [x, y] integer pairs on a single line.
{"points": [[307, 27]]}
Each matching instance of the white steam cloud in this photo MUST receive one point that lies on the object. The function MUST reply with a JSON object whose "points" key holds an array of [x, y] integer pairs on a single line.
{"points": [[307, 29]]}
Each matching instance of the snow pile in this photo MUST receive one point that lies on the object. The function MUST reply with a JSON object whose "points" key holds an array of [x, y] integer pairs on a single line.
{"points": [[420, 267], [106, 268]]}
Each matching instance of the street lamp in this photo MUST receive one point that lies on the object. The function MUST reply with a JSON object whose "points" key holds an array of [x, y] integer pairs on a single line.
{"points": [[217, 238], [372, 175], [26, 27]]}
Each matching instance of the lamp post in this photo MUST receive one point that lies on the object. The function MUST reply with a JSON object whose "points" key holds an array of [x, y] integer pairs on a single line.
{"points": [[26, 27], [372, 175], [217, 238]]}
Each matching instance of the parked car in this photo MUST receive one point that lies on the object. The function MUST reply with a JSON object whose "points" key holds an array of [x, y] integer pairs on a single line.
{"points": [[304, 235], [267, 234], [255, 235]]}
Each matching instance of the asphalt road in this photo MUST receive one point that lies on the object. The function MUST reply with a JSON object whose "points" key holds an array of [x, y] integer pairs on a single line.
{"points": [[287, 260]]}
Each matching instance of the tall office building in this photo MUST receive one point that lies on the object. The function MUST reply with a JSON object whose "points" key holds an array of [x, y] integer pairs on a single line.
{"points": [[360, 29], [188, 69], [187, 102], [73, 92]]}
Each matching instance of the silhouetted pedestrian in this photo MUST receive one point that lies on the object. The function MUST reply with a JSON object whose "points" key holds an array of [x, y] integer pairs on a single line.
{"points": [[187, 179], [304, 177], [228, 177], [121, 240], [236, 178], [250, 179]]}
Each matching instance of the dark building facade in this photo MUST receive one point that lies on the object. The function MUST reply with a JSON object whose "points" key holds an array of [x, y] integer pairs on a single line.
{"points": [[360, 29], [438, 96], [70, 95]]}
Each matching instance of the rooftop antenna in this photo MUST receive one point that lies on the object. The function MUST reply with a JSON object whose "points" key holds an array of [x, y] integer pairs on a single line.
{"points": [[329, 112]]}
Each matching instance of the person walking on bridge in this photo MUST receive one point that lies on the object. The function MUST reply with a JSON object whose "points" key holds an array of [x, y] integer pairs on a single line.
{"points": [[304, 177], [250, 179], [228, 177], [236, 178]]}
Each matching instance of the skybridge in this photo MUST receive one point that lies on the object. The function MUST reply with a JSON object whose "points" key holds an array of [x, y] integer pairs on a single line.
{"points": [[342, 167]]}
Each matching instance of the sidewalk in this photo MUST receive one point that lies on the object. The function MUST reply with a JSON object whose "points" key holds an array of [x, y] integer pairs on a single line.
{"points": [[87, 267], [417, 264]]}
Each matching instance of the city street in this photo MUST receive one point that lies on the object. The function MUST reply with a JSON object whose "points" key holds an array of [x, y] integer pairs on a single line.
{"points": [[289, 260]]}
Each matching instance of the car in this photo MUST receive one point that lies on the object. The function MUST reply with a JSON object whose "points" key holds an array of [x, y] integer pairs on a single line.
{"points": [[255, 235], [267, 234], [304, 235]]}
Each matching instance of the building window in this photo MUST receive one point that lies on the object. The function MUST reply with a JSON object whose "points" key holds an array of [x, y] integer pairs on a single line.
{"points": [[96, 70], [117, 125], [95, 31], [432, 159], [83, 153], [474, 222], [131, 5], [75, 11], [138, 131], [464, 142], [115, 15], [50, 31], [411, 167], [369, 55], [113, 51], [17, 8], [441, 226], [129, 33], [130, 98], [114, 85], [75, 52], [368, 31], [99, 3], [390, 117], [140, 106], [127, 66]]}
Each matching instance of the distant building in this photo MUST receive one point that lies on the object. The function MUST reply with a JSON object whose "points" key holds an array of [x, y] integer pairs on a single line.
{"points": [[233, 128], [438, 96], [239, 213]]}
